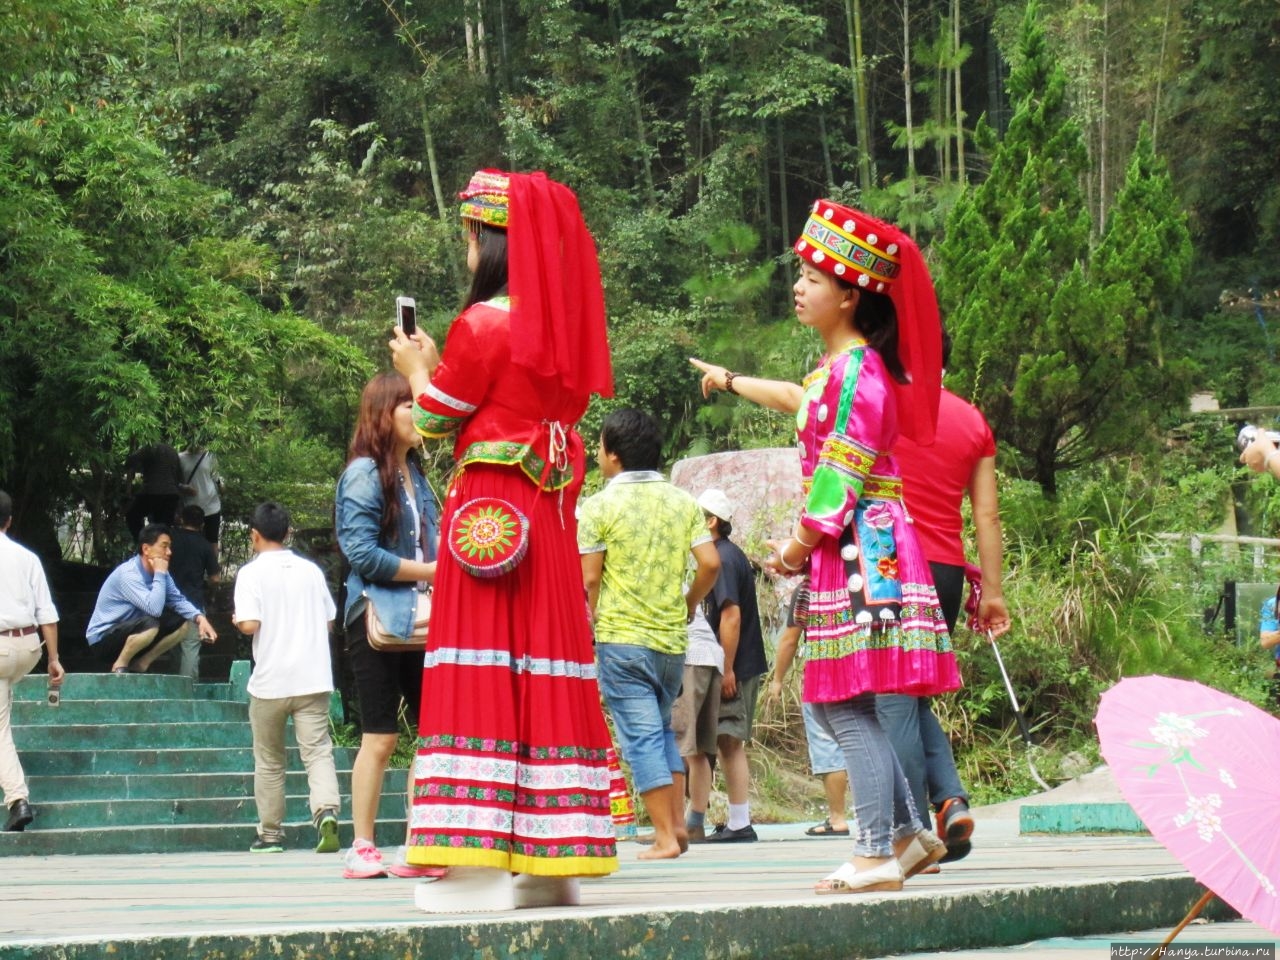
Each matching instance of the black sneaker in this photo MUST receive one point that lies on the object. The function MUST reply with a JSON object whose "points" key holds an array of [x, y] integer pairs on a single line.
{"points": [[266, 846], [723, 834]]}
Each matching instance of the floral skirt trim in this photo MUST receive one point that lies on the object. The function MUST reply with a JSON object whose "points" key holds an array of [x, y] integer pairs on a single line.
{"points": [[547, 864]]}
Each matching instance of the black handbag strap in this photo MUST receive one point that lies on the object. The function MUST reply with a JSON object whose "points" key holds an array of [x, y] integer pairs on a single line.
{"points": [[196, 467]]}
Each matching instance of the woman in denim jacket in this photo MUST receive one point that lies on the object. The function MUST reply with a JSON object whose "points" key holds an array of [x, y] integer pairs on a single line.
{"points": [[386, 526]]}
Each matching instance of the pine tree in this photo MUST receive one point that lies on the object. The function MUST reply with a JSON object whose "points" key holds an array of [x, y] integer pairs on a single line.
{"points": [[1053, 340]]}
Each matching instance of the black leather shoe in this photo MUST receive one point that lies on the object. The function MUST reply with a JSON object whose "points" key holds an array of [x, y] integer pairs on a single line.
{"points": [[723, 834], [20, 814]]}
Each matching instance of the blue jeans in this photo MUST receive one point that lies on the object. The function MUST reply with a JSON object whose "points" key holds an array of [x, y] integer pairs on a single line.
{"points": [[639, 686], [881, 799], [922, 747]]}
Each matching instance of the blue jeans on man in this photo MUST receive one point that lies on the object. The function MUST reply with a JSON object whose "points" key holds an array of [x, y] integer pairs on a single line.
{"points": [[640, 686]]}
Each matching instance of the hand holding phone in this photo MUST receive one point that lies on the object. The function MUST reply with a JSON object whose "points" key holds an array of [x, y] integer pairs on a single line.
{"points": [[407, 315]]}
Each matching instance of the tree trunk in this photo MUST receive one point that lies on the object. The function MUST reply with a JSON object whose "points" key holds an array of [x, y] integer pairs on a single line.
{"points": [[961, 177], [784, 209], [826, 151], [906, 95], [1102, 119], [1155, 110], [433, 165], [861, 121], [628, 68]]}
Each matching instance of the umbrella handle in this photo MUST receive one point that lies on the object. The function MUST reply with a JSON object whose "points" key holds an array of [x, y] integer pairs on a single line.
{"points": [[1008, 684], [1194, 912], [1023, 727]]}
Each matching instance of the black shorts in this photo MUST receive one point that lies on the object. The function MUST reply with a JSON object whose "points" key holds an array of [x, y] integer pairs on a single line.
{"points": [[382, 680], [949, 581], [212, 526]]}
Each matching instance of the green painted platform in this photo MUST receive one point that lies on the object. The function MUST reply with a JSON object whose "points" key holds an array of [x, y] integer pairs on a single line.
{"points": [[741, 902], [1080, 818], [154, 763]]}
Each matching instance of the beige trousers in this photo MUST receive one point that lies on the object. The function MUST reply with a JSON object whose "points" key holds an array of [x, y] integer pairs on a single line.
{"points": [[17, 656], [311, 728]]}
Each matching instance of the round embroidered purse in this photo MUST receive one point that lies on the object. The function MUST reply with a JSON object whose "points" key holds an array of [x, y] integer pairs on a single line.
{"points": [[488, 537]]}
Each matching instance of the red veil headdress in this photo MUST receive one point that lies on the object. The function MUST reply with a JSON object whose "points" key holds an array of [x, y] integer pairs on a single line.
{"points": [[874, 255], [553, 276]]}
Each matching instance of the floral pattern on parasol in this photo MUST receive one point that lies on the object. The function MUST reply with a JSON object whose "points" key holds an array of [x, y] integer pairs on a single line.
{"points": [[1199, 767]]}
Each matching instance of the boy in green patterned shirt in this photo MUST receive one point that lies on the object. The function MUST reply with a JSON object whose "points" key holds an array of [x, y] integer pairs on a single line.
{"points": [[635, 537]]}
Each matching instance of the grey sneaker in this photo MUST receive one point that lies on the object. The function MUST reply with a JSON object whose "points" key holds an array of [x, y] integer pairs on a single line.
{"points": [[327, 831], [262, 845]]}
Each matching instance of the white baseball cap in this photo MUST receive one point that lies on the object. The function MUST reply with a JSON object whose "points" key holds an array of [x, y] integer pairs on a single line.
{"points": [[716, 503]]}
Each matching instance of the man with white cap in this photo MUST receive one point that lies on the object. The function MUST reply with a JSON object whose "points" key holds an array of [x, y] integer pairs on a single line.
{"points": [[734, 615]]}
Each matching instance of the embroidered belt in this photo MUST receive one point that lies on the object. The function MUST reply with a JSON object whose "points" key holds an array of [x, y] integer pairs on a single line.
{"points": [[873, 488]]}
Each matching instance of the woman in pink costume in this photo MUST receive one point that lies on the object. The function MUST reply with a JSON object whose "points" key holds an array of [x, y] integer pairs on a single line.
{"points": [[873, 623]]}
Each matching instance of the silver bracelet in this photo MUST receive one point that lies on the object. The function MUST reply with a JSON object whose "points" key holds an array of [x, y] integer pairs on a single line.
{"points": [[782, 557]]}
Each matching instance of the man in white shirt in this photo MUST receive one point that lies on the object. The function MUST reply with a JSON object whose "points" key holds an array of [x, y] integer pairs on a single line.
{"points": [[201, 486], [282, 601], [27, 614], [695, 717]]}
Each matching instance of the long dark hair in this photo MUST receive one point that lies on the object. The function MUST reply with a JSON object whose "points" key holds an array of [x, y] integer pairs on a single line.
{"points": [[877, 320], [490, 278], [374, 437]]}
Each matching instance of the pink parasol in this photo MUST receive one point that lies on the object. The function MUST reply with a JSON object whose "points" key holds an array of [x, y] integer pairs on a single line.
{"points": [[1199, 767]]}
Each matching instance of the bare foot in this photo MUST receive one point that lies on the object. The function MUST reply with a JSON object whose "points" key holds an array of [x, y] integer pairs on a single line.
{"points": [[661, 851], [682, 839]]}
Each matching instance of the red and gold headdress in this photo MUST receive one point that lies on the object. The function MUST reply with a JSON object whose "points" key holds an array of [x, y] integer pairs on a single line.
{"points": [[877, 256], [487, 198], [553, 276]]}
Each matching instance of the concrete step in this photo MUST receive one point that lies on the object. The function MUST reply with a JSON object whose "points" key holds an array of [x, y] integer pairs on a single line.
{"points": [[121, 736], [181, 786], [97, 814], [72, 712], [109, 686], [185, 838], [107, 763]]}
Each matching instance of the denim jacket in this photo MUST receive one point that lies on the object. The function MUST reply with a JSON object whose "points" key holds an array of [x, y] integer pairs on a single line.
{"points": [[374, 559]]}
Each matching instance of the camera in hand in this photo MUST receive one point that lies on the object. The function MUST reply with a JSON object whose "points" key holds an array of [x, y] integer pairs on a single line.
{"points": [[1248, 433]]}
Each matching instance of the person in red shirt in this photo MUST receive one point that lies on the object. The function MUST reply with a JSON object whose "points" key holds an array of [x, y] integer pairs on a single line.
{"points": [[935, 480]]}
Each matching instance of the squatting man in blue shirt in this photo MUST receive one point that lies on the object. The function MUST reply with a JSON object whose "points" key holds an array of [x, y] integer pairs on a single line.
{"points": [[140, 613]]}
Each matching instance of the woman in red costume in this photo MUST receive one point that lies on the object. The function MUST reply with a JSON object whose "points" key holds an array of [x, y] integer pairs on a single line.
{"points": [[511, 780]]}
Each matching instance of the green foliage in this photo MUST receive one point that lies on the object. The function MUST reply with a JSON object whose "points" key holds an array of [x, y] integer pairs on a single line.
{"points": [[128, 316], [1073, 369]]}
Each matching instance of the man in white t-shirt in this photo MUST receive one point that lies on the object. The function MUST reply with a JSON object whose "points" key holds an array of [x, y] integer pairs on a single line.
{"points": [[695, 718], [282, 601], [201, 486]]}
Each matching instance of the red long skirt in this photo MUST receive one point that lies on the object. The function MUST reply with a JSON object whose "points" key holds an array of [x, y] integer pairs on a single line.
{"points": [[512, 765]]}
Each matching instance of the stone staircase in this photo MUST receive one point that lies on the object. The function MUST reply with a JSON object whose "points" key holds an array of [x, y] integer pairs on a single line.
{"points": [[154, 763]]}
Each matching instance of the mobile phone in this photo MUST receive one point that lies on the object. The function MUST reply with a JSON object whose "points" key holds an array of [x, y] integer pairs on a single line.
{"points": [[407, 315]]}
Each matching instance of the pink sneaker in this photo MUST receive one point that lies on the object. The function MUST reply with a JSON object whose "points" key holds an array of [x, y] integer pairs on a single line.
{"points": [[363, 862], [401, 867]]}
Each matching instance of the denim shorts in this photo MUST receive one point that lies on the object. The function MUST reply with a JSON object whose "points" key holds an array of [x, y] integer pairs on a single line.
{"points": [[825, 755], [639, 686]]}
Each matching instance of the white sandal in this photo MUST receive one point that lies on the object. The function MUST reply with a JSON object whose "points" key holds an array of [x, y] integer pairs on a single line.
{"points": [[538, 891], [849, 879], [924, 850], [467, 890]]}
